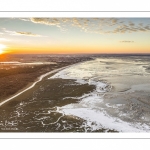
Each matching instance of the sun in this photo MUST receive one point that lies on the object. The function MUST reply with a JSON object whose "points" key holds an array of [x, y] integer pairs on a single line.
{"points": [[1, 51], [1, 48]]}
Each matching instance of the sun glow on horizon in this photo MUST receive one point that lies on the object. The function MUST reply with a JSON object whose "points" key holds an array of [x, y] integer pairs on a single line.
{"points": [[74, 35], [1, 48]]}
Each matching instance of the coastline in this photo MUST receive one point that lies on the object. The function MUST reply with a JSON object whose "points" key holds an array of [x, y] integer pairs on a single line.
{"points": [[31, 85], [39, 102]]}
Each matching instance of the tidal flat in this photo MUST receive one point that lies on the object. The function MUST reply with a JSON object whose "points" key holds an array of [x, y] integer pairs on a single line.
{"points": [[102, 94]]}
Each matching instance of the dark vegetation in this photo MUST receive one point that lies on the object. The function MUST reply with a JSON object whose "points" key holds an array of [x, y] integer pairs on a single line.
{"points": [[20, 70], [15, 77]]}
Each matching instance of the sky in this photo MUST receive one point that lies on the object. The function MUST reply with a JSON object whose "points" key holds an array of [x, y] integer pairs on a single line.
{"points": [[74, 35]]}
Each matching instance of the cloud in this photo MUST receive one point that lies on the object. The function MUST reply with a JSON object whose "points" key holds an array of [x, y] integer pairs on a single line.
{"points": [[25, 19], [58, 22], [27, 34], [131, 24], [95, 25], [21, 33], [46, 21], [131, 27], [9, 32], [3, 39], [85, 24], [141, 24], [127, 41]]}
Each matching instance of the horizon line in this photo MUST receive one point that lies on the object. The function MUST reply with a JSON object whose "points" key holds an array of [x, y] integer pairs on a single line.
{"points": [[74, 53]]}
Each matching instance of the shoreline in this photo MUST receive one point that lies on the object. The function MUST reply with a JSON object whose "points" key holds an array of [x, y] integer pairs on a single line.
{"points": [[31, 85]]}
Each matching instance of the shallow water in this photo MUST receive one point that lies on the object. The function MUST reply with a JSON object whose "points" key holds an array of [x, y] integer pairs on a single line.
{"points": [[121, 100]]}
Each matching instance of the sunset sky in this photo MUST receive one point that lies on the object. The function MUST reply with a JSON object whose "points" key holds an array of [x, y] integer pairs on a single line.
{"points": [[74, 35]]}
